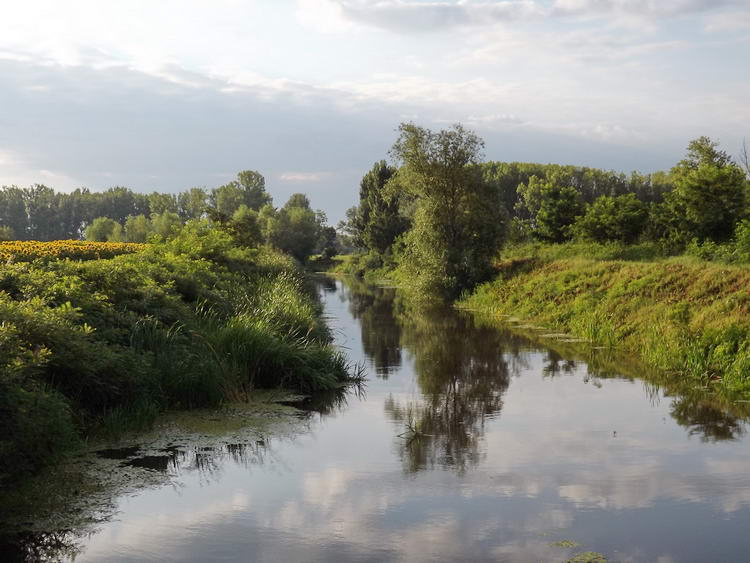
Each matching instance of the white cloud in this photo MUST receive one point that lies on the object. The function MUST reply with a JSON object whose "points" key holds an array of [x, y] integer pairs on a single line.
{"points": [[303, 176], [419, 16], [15, 170], [324, 16], [728, 21]]}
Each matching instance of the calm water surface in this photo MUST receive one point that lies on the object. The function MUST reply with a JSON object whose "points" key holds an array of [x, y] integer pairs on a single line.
{"points": [[471, 444]]}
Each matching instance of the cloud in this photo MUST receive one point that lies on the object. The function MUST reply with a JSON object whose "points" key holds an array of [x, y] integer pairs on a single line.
{"points": [[14, 170], [433, 16], [641, 8], [303, 176], [407, 15], [728, 21], [172, 130]]}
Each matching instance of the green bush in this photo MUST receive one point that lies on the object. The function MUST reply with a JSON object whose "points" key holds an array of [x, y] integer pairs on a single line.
{"points": [[190, 322]]}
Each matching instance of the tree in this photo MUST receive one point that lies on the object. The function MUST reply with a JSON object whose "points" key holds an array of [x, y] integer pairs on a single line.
{"points": [[43, 212], [6, 233], [227, 199], [327, 246], [13, 211], [254, 185], [377, 222], [710, 195], [117, 203], [298, 200], [295, 228], [137, 228], [104, 229], [245, 227], [621, 218], [745, 158], [530, 198], [159, 203], [458, 221], [559, 206], [249, 189], [165, 224], [191, 204]]}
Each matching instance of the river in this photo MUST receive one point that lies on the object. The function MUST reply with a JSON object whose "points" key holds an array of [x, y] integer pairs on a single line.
{"points": [[472, 442]]}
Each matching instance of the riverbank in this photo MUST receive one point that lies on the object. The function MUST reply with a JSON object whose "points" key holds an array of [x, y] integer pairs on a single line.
{"points": [[103, 345], [686, 317]]}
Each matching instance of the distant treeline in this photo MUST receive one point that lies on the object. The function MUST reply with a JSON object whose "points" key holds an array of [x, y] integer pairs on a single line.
{"points": [[119, 214], [440, 214]]}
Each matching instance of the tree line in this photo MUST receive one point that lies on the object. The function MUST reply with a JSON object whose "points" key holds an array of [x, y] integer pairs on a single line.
{"points": [[243, 207], [438, 213]]}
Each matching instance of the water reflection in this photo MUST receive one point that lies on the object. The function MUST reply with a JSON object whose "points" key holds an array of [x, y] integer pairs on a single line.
{"points": [[474, 443], [462, 376], [374, 307], [463, 366], [706, 421]]}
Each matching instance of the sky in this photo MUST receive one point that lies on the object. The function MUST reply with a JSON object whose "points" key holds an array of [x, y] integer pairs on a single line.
{"points": [[169, 94]]}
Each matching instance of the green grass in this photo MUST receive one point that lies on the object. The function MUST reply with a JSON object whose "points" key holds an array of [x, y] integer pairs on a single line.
{"points": [[681, 315], [371, 267]]}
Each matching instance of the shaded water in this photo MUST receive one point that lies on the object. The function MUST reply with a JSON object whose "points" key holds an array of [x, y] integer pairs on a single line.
{"points": [[472, 443]]}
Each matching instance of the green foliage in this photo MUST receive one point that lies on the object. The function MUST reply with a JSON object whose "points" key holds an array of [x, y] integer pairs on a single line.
{"points": [[245, 227], [162, 203], [620, 218], [295, 228], [137, 228], [166, 224], [6, 233], [377, 222], [685, 318], [104, 229], [192, 203], [458, 222], [558, 207], [249, 189], [191, 321], [710, 195]]}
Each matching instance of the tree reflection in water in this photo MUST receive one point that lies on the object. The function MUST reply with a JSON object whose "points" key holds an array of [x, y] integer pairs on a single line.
{"points": [[373, 307], [462, 374], [463, 367]]}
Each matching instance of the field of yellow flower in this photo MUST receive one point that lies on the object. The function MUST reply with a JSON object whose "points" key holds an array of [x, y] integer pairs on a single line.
{"points": [[23, 251]]}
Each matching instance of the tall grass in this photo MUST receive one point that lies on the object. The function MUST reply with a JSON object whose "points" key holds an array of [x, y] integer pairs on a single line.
{"points": [[689, 318], [109, 343]]}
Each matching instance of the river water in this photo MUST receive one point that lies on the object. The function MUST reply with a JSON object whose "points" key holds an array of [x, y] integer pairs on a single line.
{"points": [[471, 443]]}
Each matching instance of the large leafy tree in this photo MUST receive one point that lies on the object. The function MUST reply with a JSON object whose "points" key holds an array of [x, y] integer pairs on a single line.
{"points": [[104, 229], [13, 211], [191, 204], [559, 207], [165, 224], [711, 192], [458, 221], [550, 206], [248, 189], [245, 227], [378, 221], [160, 203], [620, 218], [295, 228], [137, 228]]}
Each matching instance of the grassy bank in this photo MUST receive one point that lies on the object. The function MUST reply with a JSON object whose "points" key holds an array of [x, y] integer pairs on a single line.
{"points": [[686, 317], [93, 344]]}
